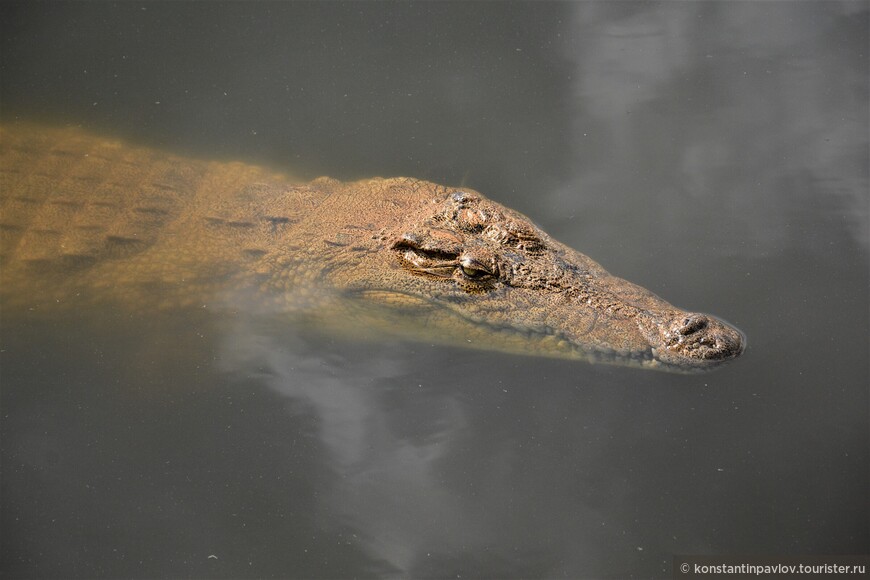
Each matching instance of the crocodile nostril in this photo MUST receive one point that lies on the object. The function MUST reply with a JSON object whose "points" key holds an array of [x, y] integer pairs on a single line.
{"points": [[692, 324]]}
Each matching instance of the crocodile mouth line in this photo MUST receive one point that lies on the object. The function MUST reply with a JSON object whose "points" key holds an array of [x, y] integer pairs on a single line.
{"points": [[564, 346]]}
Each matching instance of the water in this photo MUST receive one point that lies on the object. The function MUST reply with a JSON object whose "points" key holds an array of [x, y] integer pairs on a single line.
{"points": [[715, 153]]}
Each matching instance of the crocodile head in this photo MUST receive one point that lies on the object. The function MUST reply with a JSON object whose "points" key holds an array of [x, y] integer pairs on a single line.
{"points": [[473, 272]]}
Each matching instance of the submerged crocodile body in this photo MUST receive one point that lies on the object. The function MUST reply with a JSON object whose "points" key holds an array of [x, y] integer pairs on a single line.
{"points": [[85, 219]]}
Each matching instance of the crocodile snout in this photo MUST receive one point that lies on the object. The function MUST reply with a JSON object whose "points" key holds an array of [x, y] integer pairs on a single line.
{"points": [[695, 341]]}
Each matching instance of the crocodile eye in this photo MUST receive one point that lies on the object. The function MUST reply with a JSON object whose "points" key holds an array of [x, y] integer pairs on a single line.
{"points": [[473, 269], [472, 272]]}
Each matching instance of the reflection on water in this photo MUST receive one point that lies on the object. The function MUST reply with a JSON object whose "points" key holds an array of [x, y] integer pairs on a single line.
{"points": [[714, 152], [752, 111], [422, 465], [383, 438]]}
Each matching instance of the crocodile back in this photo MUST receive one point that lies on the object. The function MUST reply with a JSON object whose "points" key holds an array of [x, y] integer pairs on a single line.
{"points": [[83, 211]]}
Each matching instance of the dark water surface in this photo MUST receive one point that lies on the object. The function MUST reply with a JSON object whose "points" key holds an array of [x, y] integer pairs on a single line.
{"points": [[715, 153]]}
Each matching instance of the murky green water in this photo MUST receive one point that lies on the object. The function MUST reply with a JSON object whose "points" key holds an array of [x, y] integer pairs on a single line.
{"points": [[715, 153]]}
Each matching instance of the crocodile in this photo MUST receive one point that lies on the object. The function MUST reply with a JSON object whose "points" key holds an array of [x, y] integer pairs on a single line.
{"points": [[91, 220]]}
